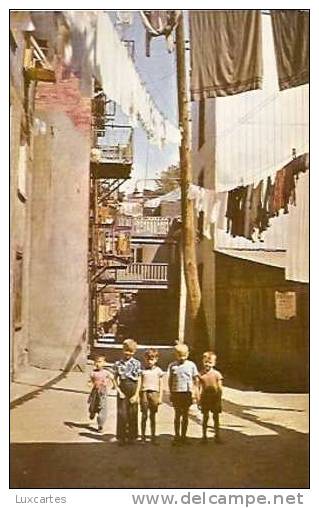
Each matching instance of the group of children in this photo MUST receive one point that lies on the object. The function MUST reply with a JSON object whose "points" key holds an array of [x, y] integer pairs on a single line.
{"points": [[136, 383]]}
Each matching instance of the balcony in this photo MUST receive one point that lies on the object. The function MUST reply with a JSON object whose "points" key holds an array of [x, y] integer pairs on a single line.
{"points": [[112, 153], [36, 64], [146, 226], [144, 272], [139, 276]]}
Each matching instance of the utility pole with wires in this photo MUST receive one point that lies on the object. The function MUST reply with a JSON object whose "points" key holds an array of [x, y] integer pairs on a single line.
{"points": [[188, 222]]}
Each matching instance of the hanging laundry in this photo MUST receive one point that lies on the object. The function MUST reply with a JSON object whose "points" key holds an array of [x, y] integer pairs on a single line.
{"points": [[226, 52], [300, 164], [219, 212], [278, 197], [192, 191], [255, 211], [112, 63], [297, 264], [244, 211], [248, 230], [291, 39], [289, 196], [285, 184], [160, 23], [235, 213], [197, 193], [265, 212], [208, 209], [124, 17], [211, 204]]}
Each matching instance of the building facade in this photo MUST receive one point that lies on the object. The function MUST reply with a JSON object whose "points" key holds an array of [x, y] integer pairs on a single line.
{"points": [[50, 105], [257, 317]]}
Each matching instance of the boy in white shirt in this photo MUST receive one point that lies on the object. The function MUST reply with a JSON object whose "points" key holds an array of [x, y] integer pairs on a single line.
{"points": [[151, 392]]}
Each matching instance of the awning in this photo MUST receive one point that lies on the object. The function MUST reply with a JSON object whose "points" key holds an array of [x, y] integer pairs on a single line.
{"points": [[270, 258]]}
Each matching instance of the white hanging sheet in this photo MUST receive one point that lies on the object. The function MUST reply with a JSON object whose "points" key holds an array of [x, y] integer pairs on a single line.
{"points": [[257, 130], [121, 83], [297, 265]]}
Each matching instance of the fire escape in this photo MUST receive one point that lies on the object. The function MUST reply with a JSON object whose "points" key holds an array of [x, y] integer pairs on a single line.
{"points": [[117, 242], [110, 165]]}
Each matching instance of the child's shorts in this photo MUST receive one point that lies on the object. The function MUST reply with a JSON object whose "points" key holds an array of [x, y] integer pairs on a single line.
{"points": [[149, 400], [211, 401], [181, 400]]}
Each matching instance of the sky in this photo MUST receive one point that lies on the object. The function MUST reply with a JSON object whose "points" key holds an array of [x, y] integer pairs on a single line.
{"points": [[158, 72]]}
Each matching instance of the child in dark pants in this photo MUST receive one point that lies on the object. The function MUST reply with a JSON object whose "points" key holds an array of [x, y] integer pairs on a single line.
{"points": [[100, 380], [210, 397], [128, 382], [182, 382], [151, 393]]}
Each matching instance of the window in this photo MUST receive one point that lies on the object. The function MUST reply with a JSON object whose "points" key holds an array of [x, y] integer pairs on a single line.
{"points": [[138, 255]]}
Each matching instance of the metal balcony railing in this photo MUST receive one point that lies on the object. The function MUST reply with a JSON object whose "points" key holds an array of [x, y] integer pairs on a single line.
{"points": [[113, 144], [148, 226], [143, 272]]}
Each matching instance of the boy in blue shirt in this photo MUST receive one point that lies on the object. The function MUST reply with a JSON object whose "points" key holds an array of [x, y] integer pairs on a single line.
{"points": [[127, 375], [182, 382]]}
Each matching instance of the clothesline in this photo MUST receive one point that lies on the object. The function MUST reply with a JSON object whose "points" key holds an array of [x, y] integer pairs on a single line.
{"points": [[217, 35], [115, 70], [248, 208], [256, 131]]}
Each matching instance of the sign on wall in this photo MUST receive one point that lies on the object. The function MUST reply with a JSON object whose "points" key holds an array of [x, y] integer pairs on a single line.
{"points": [[286, 307]]}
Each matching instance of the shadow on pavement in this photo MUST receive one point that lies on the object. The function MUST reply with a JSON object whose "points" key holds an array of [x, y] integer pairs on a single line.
{"points": [[272, 461], [70, 364], [80, 425]]}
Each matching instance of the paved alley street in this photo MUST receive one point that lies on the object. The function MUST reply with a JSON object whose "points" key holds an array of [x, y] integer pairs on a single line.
{"points": [[159, 228], [53, 444]]}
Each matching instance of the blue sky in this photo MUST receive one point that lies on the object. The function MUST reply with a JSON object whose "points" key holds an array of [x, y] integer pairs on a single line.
{"points": [[159, 74]]}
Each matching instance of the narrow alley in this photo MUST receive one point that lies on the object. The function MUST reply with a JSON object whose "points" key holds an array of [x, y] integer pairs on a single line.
{"points": [[54, 444], [159, 227]]}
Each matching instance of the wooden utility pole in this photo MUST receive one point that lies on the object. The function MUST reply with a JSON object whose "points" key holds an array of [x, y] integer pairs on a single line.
{"points": [[188, 223]]}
